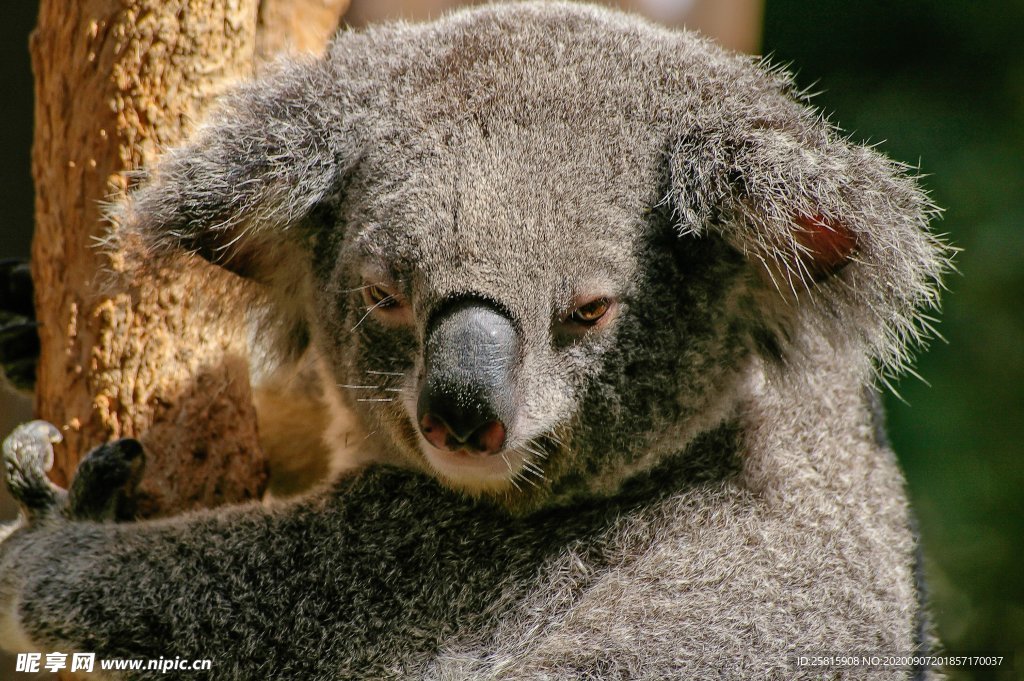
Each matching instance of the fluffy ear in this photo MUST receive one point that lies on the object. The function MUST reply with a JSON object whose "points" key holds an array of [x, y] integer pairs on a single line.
{"points": [[272, 152], [838, 232]]}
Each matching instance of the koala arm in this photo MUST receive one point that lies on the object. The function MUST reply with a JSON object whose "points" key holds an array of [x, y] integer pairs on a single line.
{"points": [[297, 588], [70, 580], [145, 589]]}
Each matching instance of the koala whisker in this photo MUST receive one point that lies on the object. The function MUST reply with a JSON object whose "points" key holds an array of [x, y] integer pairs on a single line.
{"points": [[554, 438], [375, 399], [357, 387], [362, 440], [386, 373], [528, 481], [532, 467], [504, 457], [535, 449]]}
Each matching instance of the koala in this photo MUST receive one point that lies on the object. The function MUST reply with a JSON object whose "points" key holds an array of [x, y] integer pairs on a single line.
{"points": [[605, 306]]}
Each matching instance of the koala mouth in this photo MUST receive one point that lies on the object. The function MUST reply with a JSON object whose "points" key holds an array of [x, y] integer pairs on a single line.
{"points": [[479, 467], [474, 470]]}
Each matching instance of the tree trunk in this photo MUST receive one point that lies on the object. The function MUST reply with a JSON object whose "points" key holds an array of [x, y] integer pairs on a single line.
{"points": [[161, 358]]}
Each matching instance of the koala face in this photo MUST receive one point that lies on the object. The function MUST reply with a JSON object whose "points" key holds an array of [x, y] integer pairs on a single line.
{"points": [[511, 327], [537, 245]]}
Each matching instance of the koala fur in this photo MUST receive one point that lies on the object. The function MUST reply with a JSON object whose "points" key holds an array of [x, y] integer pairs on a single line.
{"points": [[691, 485]]}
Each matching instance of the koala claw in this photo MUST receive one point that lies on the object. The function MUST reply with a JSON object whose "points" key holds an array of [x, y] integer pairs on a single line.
{"points": [[104, 480], [27, 456]]}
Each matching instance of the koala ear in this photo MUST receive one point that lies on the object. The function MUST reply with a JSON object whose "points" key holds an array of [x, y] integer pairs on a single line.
{"points": [[272, 151], [837, 233]]}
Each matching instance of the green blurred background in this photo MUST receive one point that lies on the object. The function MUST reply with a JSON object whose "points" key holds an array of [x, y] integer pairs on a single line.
{"points": [[939, 85]]}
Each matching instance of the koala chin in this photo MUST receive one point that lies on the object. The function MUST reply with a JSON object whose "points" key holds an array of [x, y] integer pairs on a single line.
{"points": [[588, 314]]}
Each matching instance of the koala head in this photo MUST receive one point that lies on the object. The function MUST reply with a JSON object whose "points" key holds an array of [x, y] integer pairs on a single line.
{"points": [[537, 246]]}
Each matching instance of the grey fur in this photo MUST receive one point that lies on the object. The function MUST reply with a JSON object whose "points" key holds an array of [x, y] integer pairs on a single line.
{"points": [[696, 489]]}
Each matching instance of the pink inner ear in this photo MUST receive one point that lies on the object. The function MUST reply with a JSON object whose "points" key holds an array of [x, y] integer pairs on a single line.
{"points": [[828, 244]]}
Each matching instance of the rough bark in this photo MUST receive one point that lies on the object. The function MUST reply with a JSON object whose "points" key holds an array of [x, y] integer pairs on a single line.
{"points": [[160, 357]]}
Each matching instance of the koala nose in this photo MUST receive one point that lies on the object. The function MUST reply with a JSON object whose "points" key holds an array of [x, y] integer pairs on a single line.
{"points": [[467, 398], [487, 438]]}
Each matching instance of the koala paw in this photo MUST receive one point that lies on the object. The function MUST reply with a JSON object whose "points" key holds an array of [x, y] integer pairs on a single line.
{"points": [[27, 456], [104, 481], [19, 338]]}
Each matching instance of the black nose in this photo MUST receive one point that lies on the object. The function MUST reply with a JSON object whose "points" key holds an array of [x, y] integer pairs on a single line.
{"points": [[467, 398], [475, 434]]}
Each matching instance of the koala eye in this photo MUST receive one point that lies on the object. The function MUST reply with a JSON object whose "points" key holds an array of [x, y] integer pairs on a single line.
{"points": [[590, 313], [380, 297], [386, 303]]}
